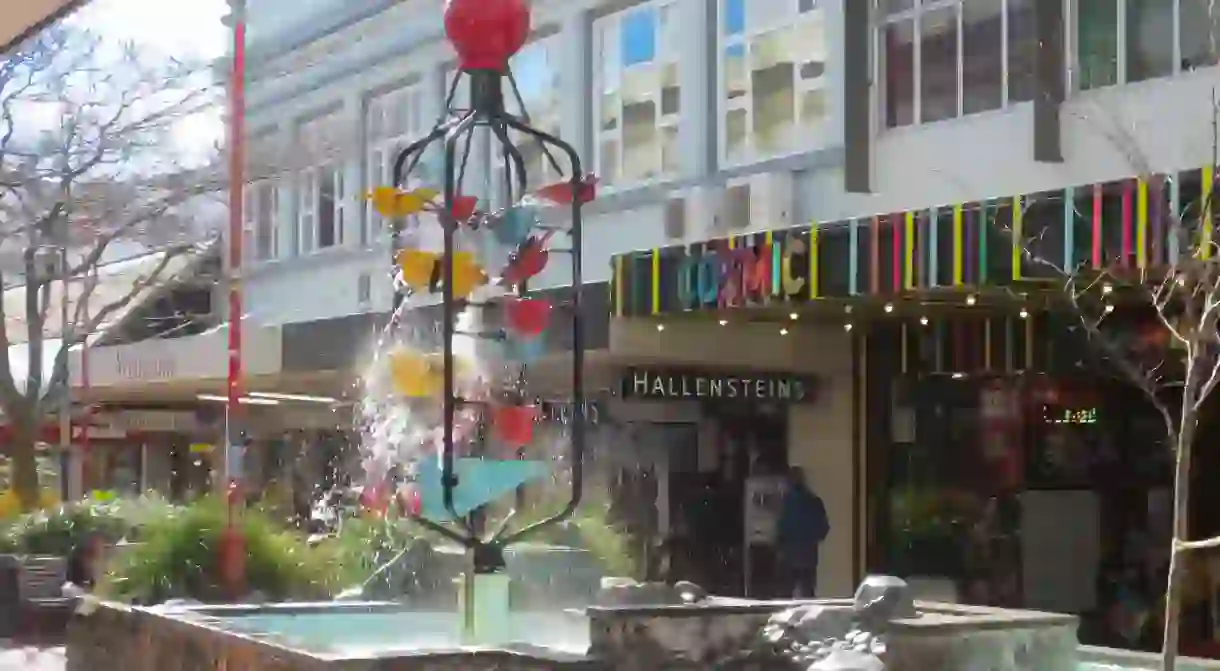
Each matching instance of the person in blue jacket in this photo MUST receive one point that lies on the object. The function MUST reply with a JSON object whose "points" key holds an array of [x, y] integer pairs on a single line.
{"points": [[803, 525]]}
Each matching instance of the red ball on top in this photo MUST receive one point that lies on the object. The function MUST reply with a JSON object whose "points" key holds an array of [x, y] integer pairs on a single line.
{"points": [[486, 33]]}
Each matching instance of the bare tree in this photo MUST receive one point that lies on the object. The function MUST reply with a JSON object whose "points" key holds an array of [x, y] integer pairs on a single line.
{"points": [[88, 173], [1178, 376]]}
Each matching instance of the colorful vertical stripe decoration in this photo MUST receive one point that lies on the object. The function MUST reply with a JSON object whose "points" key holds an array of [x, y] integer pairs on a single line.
{"points": [[853, 258], [1097, 230], [959, 244], [933, 246], [1207, 226], [619, 298], [1141, 224], [1127, 224], [1018, 235], [656, 281], [908, 256], [1069, 229], [814, 286], [1175, 208]]}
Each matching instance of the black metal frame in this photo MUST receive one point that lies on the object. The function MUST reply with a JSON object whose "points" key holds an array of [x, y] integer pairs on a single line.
{"points": [[487, 110]]}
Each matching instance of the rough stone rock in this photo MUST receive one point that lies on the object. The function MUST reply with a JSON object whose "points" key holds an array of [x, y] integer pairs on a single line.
{"points": [[689, 592], [881, 598], [848, 660], [824, 622]]}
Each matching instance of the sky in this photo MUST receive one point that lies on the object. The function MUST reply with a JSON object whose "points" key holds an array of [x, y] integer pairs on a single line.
{"points": [[187, 29]]}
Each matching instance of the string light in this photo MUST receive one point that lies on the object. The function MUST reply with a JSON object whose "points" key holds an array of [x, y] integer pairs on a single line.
{"points": [[847, 309], [1109, 308], [971, 299], [793, 316], [724, 322], [847, 326], [889, 307], [1107, 289], [660, 327], [1024, 313], [923, 321], [783, 332]]}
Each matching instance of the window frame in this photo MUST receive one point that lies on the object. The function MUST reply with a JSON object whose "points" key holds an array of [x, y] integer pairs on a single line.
{"points": [[914, 14], [663, 54], [723, 41], [543, 173], [381, 148], [318, 134], [256, 193], [1121, 75]]}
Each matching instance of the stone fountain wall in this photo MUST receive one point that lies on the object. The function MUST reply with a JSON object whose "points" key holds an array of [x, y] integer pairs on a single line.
{"points": [[881, 629]]}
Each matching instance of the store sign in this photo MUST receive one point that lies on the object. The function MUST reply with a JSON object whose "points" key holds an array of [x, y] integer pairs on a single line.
{"points": [[724, 277], [647, 383]]}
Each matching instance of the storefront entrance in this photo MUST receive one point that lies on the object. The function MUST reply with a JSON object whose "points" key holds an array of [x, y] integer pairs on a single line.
{"points": [[707, 540]]}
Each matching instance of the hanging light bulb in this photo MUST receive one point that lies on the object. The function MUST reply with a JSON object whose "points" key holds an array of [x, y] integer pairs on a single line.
{"points": [[971, 299], [783, 332], [1109, 308], [847, 309], [1024, 313], [793, 316], [847, 326], [889, 307], [923, 321], [724, 322], [1107, 289], [660, 327]]}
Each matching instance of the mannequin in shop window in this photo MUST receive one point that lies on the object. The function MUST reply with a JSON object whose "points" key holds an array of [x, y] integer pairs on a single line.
{"points": [[803, 525]]}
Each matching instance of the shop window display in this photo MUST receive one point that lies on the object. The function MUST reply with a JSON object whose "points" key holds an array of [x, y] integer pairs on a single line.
{"points": [[1000, 477]]}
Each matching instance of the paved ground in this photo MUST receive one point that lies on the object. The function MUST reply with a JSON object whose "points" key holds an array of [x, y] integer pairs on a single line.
{"points": [[31, 659]]}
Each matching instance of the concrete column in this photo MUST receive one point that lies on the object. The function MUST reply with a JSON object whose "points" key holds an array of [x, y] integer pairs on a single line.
{"points": [[286, 215], [353, 167], [697, 76], [576, 78]]}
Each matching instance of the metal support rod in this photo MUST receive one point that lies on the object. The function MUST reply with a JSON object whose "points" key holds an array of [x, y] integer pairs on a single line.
{"points": [[237, 168], [66, 335]]}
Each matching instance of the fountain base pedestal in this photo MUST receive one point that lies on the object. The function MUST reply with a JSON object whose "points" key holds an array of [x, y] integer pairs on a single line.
{"points": [[483, 605]]}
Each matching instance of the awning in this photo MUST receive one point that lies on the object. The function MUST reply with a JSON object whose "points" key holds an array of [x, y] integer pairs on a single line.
{"points": [[22, 18]]}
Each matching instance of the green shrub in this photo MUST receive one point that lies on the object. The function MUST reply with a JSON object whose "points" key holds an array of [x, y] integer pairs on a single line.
{"points": [[57, 531], [178, 559]]}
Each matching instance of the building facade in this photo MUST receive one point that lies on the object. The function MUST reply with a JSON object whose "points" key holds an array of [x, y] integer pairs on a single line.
{"points": [[802, 188]]}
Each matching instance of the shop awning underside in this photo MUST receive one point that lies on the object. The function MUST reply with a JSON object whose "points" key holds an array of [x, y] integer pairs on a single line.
{"points": [[22, 18]]}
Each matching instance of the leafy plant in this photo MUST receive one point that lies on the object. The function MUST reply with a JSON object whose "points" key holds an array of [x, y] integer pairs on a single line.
{"points": [[57, 531], [179, 558]]}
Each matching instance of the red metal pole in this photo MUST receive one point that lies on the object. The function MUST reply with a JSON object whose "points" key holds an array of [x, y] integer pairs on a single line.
{"points": [[237, 168], [233, 551]]}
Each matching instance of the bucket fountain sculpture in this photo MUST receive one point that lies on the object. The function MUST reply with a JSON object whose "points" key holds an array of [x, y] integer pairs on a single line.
{"points": [[881, 629], [485, 36]]}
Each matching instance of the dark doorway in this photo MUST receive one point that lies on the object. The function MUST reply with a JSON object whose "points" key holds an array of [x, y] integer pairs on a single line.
{"points": [[707, 497]]}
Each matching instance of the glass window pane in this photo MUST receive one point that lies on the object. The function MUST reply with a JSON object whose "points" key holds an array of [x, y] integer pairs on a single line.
{"points": [[609, 111], [1200, 34], [1097, 39], [1149, 39], [640, 140], [983, 59], [736, 84], [765, 14], [1022, 50], [772, 83], [670, 96], [938, 54], [735, 134], [734, 17], [813, 108], [638, 36], [899, 74], [608, 171], [670, 155], [895, 6]]}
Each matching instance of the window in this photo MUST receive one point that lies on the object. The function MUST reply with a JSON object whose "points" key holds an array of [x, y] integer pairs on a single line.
{"points": [[1142, 44], [321, 199], [262, 214], [536, 71], [773, 84], [945, 58], [392, 121], [637, 89]]}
